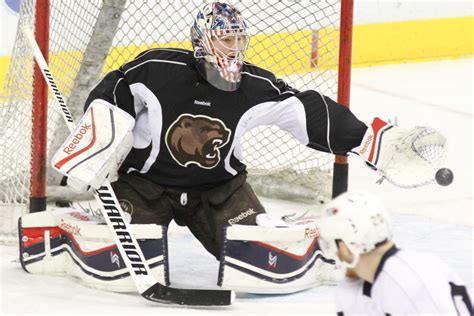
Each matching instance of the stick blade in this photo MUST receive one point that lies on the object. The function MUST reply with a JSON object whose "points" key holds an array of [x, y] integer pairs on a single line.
{"points": [[194, 297]]}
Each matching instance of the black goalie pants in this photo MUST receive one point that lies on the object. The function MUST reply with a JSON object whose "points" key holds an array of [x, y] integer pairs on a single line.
{"points": [[205, 213]]}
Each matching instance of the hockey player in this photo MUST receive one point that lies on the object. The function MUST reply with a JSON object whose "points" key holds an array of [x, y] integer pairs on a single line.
{"points": [[190, 111], [381, 278]]}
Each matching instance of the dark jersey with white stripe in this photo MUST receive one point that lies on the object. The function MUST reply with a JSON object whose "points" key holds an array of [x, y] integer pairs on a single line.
{"points": [[187, 132]]}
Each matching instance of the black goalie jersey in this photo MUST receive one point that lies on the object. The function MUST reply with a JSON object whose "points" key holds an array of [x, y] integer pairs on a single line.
{"points": [[187, 132]]}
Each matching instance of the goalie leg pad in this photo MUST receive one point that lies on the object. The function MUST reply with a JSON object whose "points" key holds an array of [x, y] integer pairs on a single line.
{"points": [[273, 260], [69, 243]]}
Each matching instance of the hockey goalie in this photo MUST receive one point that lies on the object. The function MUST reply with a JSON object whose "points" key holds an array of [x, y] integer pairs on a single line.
{"points": [[273, 256], [166, 129]]}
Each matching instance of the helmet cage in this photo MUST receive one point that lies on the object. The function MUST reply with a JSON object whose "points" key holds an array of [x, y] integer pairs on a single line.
{"points": [[223, 37], [217, 52], [220, 38]]}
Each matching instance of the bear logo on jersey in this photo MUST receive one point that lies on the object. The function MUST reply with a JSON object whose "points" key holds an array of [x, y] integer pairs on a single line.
{"points": [[197, 139]]}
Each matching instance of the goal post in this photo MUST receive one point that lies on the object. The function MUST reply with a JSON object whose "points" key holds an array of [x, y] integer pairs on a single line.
{"points": [[306, 43], [39, 114], [341, 167]]}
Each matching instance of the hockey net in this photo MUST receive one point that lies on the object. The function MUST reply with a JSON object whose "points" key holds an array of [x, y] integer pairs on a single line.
{"points": [[298, 40]]}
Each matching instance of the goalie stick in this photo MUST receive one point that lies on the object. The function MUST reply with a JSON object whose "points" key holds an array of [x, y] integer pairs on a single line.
{"points": [[127, 245]]}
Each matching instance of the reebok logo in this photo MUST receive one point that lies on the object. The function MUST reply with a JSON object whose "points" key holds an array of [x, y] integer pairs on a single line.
{"points": [[241, 216], [366, 144], [77, 138], [74, 230], [205, 103], [311, 233]]}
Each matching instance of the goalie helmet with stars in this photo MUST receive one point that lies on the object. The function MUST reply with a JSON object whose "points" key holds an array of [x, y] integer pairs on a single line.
{"points": [[220, 37], [358, 219]]}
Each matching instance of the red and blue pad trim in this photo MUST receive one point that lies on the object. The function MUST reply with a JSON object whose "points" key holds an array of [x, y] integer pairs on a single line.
{"points": [[104, 264]]}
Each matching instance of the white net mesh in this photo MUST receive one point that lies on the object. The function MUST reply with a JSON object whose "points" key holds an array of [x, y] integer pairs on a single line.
{"points": [[296, 39]]}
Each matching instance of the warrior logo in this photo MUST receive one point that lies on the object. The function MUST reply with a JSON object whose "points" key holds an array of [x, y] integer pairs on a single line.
{"points": [[272, 261], [120, 230], [115, 259], [197, 139]]}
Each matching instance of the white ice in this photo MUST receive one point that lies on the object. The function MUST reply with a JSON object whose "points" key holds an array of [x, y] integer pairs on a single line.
{"points": [[430, 219]]}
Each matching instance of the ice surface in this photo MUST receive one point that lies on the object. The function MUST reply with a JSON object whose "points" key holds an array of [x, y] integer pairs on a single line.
{"points": [[430, 219]]}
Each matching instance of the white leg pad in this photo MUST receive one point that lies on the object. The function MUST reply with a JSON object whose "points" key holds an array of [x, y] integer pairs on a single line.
{"points": [[273, 260], [71, 243]]}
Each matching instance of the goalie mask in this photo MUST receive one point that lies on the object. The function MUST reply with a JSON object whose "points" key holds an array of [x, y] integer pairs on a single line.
{"points": [[356, 218], [220, 38]]}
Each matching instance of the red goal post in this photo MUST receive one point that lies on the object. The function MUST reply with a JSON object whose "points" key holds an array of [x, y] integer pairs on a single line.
{"points": [[39, 114], [85, 39], [341, 167]]}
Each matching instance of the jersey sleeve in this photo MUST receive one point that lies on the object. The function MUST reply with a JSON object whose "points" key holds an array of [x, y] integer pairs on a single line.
{"points": [[331, 127], [114, 88], [315, 120]]}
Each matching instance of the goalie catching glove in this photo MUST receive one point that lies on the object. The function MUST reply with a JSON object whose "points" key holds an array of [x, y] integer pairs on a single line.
{"points": [[96, 148], [405, 157]]}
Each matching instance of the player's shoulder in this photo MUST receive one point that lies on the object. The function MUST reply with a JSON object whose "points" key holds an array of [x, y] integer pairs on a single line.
{"points": [[255, 71], [409, 269], [422, 278], [415, 259], [400, 262], [171, 54], [174, 56]]}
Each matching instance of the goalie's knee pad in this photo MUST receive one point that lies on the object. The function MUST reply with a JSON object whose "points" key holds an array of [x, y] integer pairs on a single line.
{"points": [[271, 260], [69, 243]]}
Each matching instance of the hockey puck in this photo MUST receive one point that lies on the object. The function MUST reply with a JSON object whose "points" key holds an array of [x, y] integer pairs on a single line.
{"points": [[444, 176]]}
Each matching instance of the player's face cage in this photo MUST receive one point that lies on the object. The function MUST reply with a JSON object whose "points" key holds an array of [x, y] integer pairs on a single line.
{"points": [[220, 39]]}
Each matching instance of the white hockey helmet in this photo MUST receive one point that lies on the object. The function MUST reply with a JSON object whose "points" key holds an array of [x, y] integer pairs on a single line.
{"points": [[220, 37], [358, 219]]}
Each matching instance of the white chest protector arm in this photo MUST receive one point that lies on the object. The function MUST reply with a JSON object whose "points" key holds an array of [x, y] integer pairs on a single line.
{"points": [[96, 148]]}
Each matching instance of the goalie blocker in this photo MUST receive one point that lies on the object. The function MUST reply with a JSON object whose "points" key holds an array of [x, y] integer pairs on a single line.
{"points": [[96, 148], [255, 259]]}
